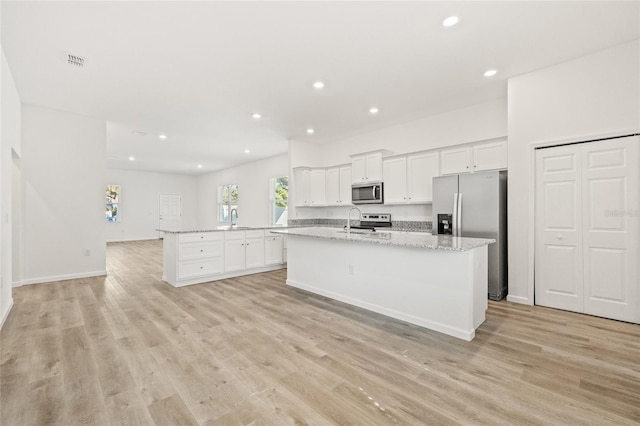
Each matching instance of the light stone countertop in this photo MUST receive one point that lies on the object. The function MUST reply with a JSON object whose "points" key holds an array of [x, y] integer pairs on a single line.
{"points": [[421, 240], [221, 229]]}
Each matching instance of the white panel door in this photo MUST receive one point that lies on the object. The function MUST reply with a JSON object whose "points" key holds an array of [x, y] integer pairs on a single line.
{"points": [[610, 182], [170, 211], [558, 221]]}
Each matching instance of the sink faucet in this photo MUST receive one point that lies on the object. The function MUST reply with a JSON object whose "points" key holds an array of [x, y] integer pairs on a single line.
{"points": [[349, 217], [231, 217]]}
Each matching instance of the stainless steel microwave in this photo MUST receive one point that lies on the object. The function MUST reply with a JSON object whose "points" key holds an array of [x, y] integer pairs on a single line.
{"points": [[367, 193]]}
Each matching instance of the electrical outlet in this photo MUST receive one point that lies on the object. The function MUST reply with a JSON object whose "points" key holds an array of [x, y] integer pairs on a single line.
{"points": [[351, 270]]}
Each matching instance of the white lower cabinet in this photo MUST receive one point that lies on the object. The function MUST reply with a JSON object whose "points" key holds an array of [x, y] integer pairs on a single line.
{"points": [[273, 249], [254, 250], [197, 257], [199, 254]]}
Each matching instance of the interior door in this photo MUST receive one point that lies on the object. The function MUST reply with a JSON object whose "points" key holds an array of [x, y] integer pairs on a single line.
{"points": [[610, 182], [170, 211], [558, 222]]}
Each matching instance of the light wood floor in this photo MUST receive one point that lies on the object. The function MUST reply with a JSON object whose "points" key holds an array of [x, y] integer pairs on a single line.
{"points": [[130, 349]]}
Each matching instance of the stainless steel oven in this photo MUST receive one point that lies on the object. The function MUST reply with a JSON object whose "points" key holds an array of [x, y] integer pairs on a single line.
{"points": [[367, 193]]}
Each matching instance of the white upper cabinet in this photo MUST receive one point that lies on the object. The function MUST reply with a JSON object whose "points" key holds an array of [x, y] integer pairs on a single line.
{"points": [[474, 158], [408, 179], [490, 156], [456, 160], [421, 169], [302, 187], [394, 171], [366, 168], [338, 186], [317, 185]]}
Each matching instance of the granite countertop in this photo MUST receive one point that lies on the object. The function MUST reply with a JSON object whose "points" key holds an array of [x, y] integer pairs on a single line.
{"points": [[421, 240], [221, 229]]}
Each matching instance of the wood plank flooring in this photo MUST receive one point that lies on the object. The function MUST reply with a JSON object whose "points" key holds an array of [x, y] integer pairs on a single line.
{"points": [[130, 349]]}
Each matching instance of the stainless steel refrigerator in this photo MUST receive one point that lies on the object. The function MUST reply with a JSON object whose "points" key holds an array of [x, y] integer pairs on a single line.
{"points": [[475, 205]]}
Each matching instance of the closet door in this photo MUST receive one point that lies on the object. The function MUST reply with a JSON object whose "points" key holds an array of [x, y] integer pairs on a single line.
{"points": [[610, 182], [558, 222]]}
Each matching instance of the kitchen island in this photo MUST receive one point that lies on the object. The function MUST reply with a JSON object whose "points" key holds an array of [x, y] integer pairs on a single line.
{"points": [[434, 281], [197, 256]]}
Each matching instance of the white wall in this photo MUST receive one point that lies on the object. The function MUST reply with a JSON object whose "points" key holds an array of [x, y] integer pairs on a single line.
{"points": [[139, 202], [63, 171], [253, 191], [9, 143], [593, 96], [475, 123]]}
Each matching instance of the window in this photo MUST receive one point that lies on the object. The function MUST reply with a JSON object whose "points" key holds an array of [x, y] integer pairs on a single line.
{"points": [[227, 201], [280, 199], [113, 203]]}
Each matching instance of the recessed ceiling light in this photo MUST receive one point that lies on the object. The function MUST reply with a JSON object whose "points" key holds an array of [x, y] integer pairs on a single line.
{"points": [[256, 115], [490, 73], [374, 110], [450, 21], [310, 130], [132, 158], [247, 151], [162, 136], [199, 166], [318, 84]]}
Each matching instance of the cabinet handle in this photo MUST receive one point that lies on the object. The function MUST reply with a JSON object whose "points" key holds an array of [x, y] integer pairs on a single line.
{"points": [[201, 236], [201, 251], [202, 267]]}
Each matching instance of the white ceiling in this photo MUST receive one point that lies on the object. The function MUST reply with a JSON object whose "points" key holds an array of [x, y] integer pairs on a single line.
{"points": [[196, 71]]}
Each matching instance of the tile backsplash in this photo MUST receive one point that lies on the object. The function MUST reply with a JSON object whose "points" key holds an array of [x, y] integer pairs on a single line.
{"points": [[398, 225]]}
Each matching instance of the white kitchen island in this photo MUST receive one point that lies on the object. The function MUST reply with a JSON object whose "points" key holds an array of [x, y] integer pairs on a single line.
{"points": [[437, 282]]}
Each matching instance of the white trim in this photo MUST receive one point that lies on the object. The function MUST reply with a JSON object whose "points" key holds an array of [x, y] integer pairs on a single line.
{"points": [[55, 278], [519, 299], [5, 315], [16, 284], [460, 333]]}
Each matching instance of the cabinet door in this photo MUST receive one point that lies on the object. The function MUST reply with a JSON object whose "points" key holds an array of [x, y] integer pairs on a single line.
{"points": [[456, 160], [303, 188], [421, 169], [254, 253], [273, 250], [395, 180], [318, 188], [490, 156], [358, 169], [374, 167], [333, 186], [234, 255], [345, 185]]}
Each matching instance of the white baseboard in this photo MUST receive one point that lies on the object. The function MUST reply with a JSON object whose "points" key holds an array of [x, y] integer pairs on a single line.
{"points": [[16, 284], [518, 299], [6, 314], [55, 278], [126, 240]]}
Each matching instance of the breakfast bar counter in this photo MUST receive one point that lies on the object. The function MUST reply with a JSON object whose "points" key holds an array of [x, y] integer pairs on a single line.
{"points": [[437, 282]]}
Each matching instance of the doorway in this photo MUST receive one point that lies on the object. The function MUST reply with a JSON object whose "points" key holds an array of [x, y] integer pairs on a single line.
{"points": [[587, 228], [170, 212]]}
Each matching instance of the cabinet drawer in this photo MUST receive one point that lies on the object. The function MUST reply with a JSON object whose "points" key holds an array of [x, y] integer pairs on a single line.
{"points": [[201, 250], [198, 268], [200, 236], [256, 233], [234, 235]]}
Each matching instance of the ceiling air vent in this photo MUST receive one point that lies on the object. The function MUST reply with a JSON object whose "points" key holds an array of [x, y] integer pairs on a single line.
{"points": [[78, 61]]}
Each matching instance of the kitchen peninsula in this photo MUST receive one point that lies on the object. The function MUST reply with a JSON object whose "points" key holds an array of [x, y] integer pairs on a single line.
{"points": [[434, 281], [197, 256]]}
